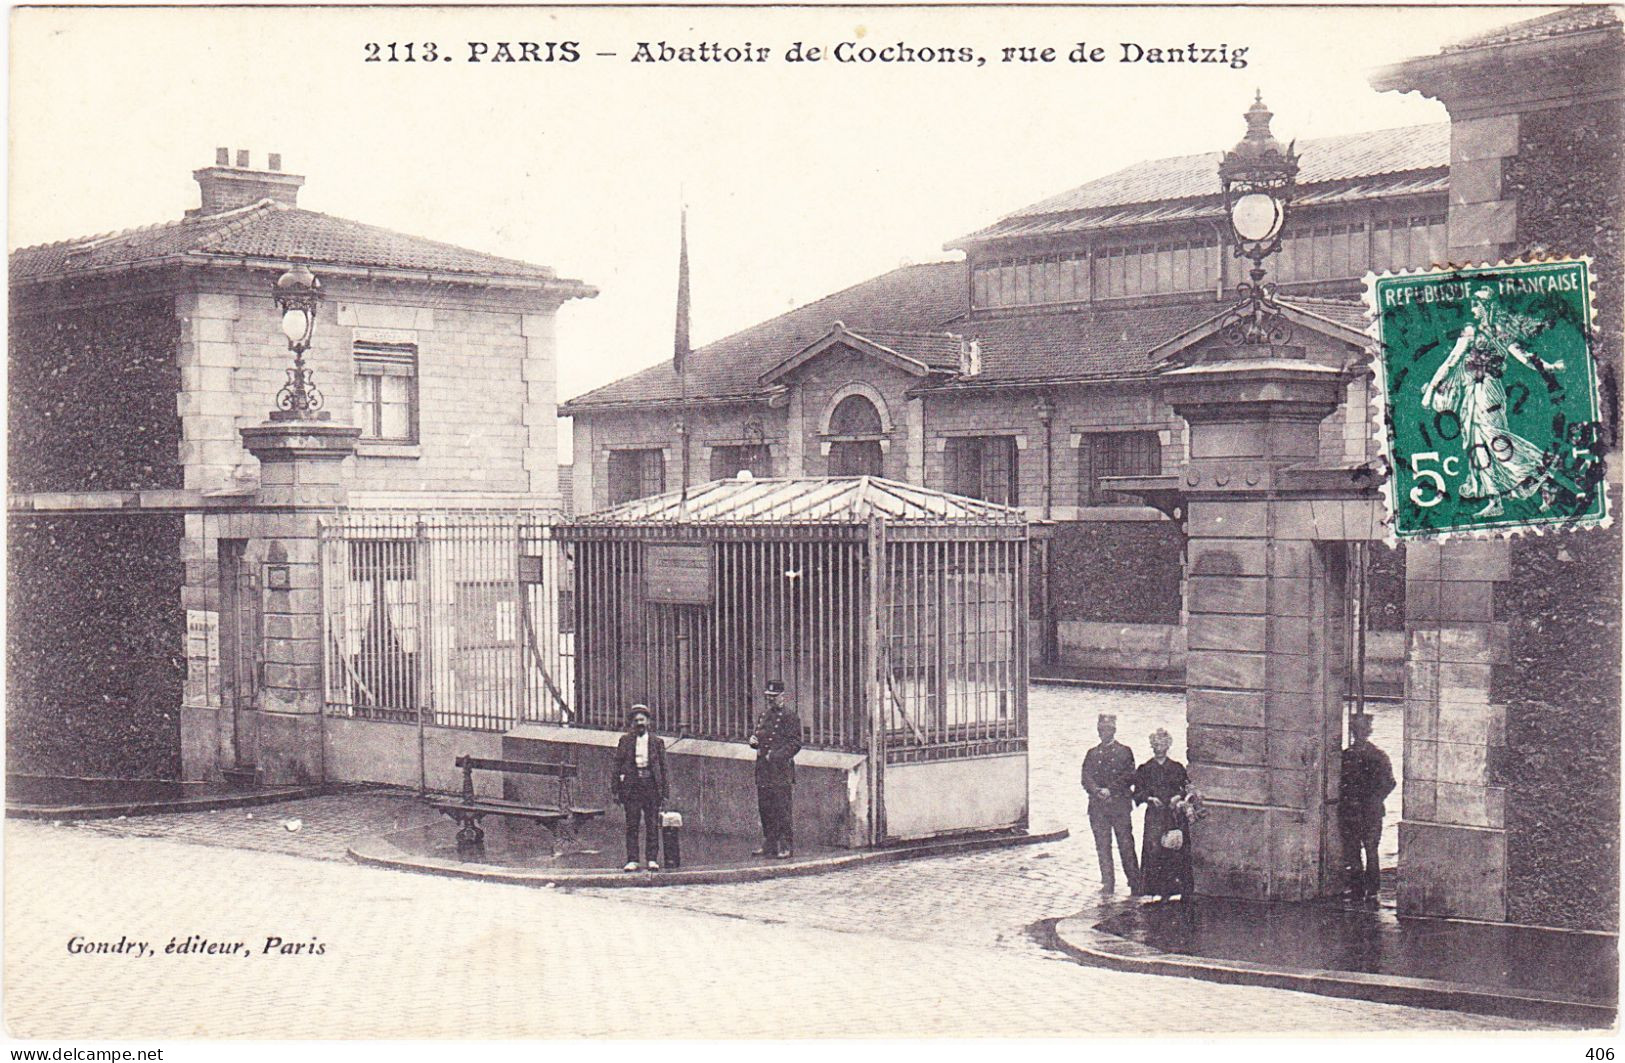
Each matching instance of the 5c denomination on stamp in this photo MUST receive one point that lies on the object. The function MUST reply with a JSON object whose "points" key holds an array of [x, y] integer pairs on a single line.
{"points": [[1487, 398]]}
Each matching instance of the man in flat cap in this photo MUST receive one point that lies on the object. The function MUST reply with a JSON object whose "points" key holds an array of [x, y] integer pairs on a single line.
{"points": [[1107, 771], [777, 740], [639, 784]]}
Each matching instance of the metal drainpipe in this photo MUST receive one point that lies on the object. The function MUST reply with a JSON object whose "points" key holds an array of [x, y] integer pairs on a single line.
{"points": [[1046, 418], [1218, 282]]}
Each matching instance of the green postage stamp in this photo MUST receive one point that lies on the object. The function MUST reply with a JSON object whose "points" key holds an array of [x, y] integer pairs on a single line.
{"points": [[1487, 403]]}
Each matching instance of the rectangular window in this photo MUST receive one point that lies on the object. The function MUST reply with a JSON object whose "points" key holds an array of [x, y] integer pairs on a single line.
{"points": [[979, 286], [983, 467], [728, 462], [1382, 246], [1437, 239], [636, 474], [1342, 262], [1106, 454], [386, 390], [1024, 287]]}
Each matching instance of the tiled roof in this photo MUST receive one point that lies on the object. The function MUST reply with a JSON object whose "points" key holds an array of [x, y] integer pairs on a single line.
{"points": [[1151, 187], [1097, 343], [909, 299], [1349, 314], [1412, 183], [935, 350], [1093, 344], [838, 500], [1557, 24], [267, 230]]}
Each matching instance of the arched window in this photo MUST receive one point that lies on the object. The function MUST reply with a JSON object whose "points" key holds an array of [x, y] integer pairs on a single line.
{"points": [[855, 415]]}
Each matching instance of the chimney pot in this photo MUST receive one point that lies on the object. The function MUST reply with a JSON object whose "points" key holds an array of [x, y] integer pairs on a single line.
{"points": [[222, 156], [273, 161], [242, 159]]}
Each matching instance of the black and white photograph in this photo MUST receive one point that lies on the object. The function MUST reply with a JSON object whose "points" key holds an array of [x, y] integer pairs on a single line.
{"points": [[750, 524]]}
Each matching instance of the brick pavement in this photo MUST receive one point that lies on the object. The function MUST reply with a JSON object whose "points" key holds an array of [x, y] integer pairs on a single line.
{"points": [[416, 956]]}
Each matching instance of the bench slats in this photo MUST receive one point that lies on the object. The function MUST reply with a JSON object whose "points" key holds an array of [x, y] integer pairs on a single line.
{"points": [[518, 767]]}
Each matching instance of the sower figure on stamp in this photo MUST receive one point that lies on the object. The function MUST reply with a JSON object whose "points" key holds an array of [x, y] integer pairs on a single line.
{"points": [[639, 785], [1108, 772], [777, 740], [1367, 778]]}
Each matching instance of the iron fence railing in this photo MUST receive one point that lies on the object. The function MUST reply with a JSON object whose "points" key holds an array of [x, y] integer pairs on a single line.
{"points": [[459, 619]]}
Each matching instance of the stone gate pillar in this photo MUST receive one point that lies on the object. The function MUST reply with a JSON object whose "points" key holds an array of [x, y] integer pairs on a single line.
{"points": [[1265, 664], [301, 477]]}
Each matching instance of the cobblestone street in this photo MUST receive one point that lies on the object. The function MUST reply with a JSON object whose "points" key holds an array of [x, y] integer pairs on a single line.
{"points": [[403, 951], [414, 956]]}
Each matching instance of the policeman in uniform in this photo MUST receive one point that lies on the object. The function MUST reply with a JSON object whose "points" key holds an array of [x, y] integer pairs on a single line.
{"points": [[1108, 769], [1367, 778], [777, 739]]}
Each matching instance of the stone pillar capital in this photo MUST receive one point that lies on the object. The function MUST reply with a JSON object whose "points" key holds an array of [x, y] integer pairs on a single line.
{"points": [[301, 461]]}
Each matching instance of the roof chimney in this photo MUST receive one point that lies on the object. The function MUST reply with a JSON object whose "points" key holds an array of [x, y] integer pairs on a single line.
{"points": [[227, 187]]}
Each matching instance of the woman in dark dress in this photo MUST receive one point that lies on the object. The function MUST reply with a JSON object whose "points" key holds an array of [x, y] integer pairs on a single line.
{"points": [[1160, 784]]}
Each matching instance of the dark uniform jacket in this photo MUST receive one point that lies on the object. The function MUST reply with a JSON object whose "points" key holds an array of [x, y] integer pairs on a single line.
{"points": [[1367, 778], [778, 740], [626, 764], [1109, 765]]}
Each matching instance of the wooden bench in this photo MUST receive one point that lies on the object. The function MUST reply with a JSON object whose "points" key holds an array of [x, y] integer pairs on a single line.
{"points": [[468, 809]]}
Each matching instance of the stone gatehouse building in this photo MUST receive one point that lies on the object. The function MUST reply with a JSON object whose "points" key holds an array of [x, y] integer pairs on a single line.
{"points": [[141, 537]]}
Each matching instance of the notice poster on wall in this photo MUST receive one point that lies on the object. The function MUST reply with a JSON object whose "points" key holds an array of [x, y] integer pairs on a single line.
{"points": [[678, 574], [203, 638]]}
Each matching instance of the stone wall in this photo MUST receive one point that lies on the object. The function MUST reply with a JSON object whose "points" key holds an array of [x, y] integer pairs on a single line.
{"points": [[1561, 681], [109, 586], [92, 398], [1560, 684], [485, 383]]}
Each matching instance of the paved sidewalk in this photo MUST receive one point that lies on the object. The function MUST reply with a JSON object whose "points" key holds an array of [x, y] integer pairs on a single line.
{"points": [[420, 956]]}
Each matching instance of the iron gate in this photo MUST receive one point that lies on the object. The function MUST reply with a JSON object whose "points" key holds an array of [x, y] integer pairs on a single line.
{"points": [[454, 618]]}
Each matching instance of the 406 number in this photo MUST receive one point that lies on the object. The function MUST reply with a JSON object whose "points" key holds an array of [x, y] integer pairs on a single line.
{"points": [[1600, 1053]]}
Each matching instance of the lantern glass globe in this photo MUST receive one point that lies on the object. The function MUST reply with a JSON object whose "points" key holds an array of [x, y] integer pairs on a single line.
{"points": [[1256, 217], [296, 325]]}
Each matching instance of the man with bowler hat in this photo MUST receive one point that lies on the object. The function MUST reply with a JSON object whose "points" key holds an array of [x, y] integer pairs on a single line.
{"points": [[777, 740], [1108, 769], [639, 784], [1367, 779]]}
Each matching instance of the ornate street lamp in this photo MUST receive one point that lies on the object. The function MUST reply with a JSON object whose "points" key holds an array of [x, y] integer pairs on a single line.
{"points": [[1259, 178], [298, 294]]}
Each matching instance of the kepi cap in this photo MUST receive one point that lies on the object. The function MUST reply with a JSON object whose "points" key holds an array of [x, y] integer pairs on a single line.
{"points": [[775, 686]]}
